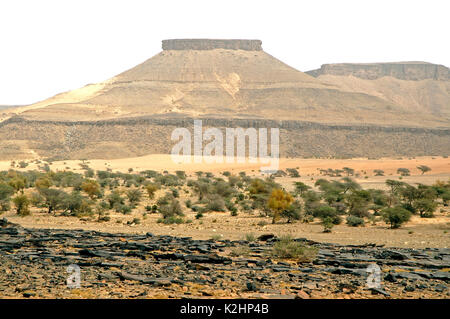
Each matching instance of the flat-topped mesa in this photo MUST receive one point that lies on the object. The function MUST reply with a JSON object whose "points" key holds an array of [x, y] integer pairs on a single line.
{"points": [[211, 44], [412, 71]]}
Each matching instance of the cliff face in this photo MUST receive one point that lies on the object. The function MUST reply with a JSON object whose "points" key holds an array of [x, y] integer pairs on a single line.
{"points": [[121, 138], [210, 44], [411, 71]]}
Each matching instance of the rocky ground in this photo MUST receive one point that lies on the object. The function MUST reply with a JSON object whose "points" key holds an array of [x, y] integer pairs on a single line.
{"points": [[33, 264]]}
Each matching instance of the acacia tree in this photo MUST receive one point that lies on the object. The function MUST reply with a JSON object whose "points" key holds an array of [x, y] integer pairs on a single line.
{"points": [[425, 207], [91, 187], [301, 188], [5, 192], [279, 200], [396, 216], [349, 171], [292, 212], [378, 172], [22, 204], [18, 183], [151, 189], [134, 196], [43, 182], [403, 172], [424, 169], [53, 198]]}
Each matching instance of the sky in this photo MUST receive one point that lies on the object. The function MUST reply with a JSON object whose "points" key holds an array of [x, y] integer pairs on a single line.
{"points": [[52, 46]]}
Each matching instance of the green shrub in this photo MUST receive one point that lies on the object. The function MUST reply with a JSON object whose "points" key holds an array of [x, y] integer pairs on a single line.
{"points": [[250, 237], [292, 172], [54, 199], [396, 216], [114, 199], [124, 209], [171, 220], [171, 210], [76, 204], [175, 192], [135, 221], [327, 223], [23, 164], [324, 211], [134, 196], [198, 215], [355, 221], [293, 212], [287, 248], [215, 203], [22, 204]]}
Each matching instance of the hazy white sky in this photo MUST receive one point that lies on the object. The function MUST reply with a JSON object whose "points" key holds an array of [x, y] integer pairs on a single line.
{"points": [[51, 46]]}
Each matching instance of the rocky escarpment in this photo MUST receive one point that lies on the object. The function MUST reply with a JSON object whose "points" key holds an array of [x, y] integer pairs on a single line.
{"points": [[412, 71], [148, 266], [211, 44], [122, 138]]}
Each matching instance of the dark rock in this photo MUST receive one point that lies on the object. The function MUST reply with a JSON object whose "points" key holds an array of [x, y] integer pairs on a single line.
{"points": [[266, 237], [421, 286], [407, 275], [145, 280], [212, 259], [170, 256], [107, 276], [390, 277], [280, 269], [306, 270], [261, 263], [440, 288], [9, 231], [28, 294], [251, 286], [310, 285], [158, 282], [409, 288], [441, 275], [302, 295], [107, 265], [379, 291], [391, 254], [92, 253], [345, 271], [3, 222], [289, 297]]}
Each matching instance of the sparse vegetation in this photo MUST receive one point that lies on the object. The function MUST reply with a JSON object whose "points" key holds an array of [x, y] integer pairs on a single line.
{"points": [[331, 201], [287, 248]]}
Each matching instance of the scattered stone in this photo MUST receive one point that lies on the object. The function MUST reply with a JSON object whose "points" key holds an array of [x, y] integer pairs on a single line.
{"points": [[251, 286], [440, 288], [302, 295], [266, 237], [34, 263], [409, 288], [379, 291]]}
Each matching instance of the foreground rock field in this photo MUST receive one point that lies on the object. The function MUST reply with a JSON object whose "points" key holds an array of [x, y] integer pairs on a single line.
{"points": [[34, 265]]}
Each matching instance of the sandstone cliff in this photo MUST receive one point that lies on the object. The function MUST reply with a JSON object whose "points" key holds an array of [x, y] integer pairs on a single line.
{"points": [[411, 71], [210, 44]]}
